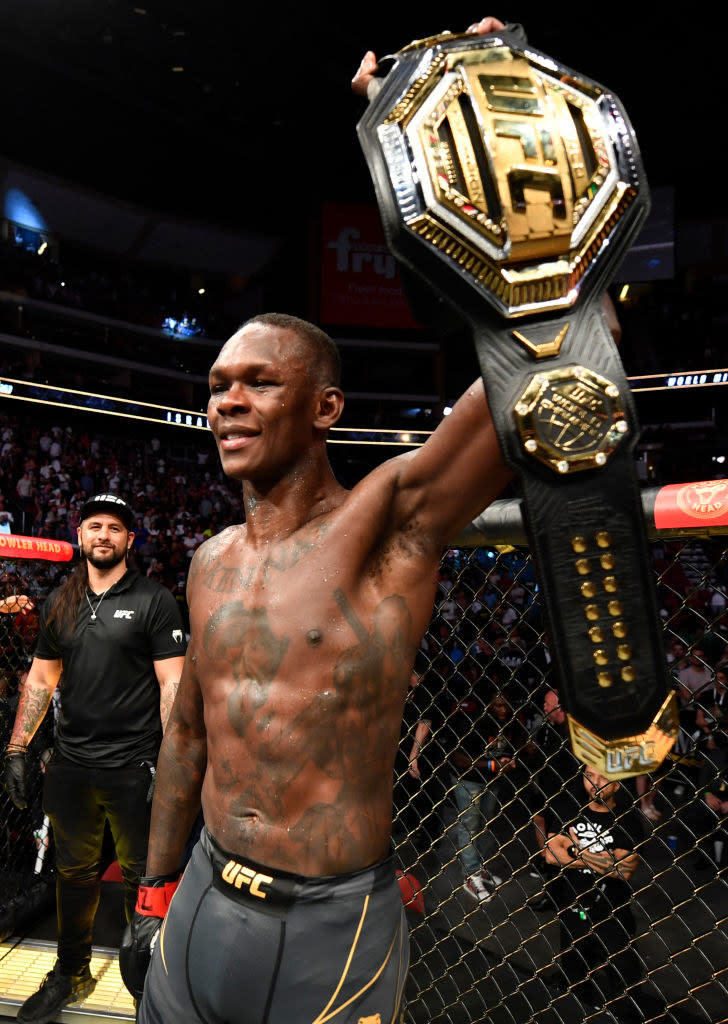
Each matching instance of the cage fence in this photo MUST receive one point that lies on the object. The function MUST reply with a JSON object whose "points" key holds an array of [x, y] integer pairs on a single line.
{"points": [[629, 921], [26, 844], [502, 930]]}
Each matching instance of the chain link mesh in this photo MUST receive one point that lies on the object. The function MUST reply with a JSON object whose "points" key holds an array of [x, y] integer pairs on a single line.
{"points": [[480, 766], [529, 944], [26, 854]]}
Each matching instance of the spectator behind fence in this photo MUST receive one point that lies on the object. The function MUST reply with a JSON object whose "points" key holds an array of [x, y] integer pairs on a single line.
{"points": [[593, 847], [551, 766], [477, 728], [712, 715], [694, 675], [424, 788], [707, 816]]}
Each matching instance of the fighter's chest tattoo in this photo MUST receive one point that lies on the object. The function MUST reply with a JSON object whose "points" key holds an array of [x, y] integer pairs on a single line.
{"points": [[227, 579], [243, 637]]}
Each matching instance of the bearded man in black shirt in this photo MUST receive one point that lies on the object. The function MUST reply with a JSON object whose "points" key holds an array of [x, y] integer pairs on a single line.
{"points": [[594, 846], [117, 638]]}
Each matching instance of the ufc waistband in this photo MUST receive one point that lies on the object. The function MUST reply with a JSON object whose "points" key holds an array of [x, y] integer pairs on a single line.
{"points": [[270, 889]]}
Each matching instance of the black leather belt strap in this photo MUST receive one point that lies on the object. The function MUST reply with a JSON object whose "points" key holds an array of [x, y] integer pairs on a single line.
{"points": [[585, 526], [514, 186]]}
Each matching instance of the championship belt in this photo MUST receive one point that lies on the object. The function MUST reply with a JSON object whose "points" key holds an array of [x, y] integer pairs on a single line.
{"points": [[514, 186]]}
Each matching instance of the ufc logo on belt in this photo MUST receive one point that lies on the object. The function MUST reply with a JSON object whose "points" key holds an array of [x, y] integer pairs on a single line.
{"points": [[238, 875]]}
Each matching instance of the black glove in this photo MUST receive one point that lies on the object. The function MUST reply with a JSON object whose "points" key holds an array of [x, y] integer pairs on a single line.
{"points": [[140, 935], [16, 779]]}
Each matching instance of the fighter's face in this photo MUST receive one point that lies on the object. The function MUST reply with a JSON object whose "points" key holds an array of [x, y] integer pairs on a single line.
{"points": [[262, 402], [104, 540]]}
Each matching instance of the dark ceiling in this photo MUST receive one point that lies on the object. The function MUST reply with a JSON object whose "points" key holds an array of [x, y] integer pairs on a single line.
{"points": [[259, 125]]}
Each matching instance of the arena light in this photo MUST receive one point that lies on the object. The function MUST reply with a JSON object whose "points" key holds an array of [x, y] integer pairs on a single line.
{"points": [[111, 405], [21, 210], [673, 381], [108, 405]]}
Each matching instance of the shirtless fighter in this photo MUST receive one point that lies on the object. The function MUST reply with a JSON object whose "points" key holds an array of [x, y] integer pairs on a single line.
{"points": [[304, 625]]}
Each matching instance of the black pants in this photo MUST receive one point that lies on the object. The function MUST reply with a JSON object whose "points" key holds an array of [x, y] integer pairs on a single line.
{"points": [[595, 953], [79, 801]]}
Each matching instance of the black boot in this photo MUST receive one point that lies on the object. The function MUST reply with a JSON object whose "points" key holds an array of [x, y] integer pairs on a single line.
{"points": [[56, 992]]}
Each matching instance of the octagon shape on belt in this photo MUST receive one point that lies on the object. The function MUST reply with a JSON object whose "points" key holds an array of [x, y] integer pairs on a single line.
{"points": [[521, 171], [570, 418]]}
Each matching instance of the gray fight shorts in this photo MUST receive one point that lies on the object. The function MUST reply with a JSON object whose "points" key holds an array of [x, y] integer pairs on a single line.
{"points": [[242, 944]]}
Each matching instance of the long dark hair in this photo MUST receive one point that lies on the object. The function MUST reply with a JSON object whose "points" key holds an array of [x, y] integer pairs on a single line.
{"points": [[69, 599]]}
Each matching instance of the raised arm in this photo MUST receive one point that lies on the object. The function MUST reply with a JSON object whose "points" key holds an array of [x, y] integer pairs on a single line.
{"points": [[455, 474], [460, 470], [180, 772], [368, 68]]}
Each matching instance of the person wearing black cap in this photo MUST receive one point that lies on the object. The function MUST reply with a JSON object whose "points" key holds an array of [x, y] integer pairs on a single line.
{"points": [[118, 639]]}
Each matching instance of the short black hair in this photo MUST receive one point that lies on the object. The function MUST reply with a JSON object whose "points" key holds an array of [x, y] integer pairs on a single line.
{"points": [[327, 366]]}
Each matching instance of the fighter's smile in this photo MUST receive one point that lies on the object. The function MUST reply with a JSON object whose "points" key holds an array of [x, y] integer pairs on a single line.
{"points": [[232, 440]]}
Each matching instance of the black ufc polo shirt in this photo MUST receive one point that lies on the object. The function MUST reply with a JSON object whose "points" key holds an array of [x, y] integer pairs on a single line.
{"points": [[109, 713]]}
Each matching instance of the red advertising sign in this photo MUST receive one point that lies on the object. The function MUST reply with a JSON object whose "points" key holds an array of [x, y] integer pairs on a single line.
{"points": [[360, 283], [13, 546], [704, 503]]}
